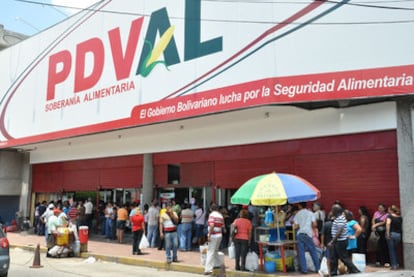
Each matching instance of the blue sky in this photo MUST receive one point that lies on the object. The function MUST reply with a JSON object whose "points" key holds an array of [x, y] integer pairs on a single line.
{"points": [[30, 17]]}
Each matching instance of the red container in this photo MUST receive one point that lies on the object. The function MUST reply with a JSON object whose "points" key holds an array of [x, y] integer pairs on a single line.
{"points": [[83, 234]]}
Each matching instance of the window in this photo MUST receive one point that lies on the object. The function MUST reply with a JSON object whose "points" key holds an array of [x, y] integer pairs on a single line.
{"points": [[173, 174]]}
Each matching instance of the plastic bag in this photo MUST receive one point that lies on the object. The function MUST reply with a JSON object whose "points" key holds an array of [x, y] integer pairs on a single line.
{"points": [[232, 251], [252, 261], [203, 253], [358, 260], [144, 243], [323, 269]]}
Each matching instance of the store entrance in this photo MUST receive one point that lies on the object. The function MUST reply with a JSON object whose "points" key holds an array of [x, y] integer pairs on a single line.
{"points": [[187, 195]]}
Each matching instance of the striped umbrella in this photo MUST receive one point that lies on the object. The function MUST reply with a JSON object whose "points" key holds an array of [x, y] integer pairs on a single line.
{"points": [[275, 189]]}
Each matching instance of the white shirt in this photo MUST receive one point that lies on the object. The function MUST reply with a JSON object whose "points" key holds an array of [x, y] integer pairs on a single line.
{"points": [[200, 217], [304, 219], [88, 207]]}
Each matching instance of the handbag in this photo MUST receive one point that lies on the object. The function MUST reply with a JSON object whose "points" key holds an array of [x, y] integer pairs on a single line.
{"points": [[233, 231], [372, 242], [380, 229]]}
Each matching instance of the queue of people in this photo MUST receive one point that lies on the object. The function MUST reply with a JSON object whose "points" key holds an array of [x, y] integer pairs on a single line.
{"points": [[178, 227]]}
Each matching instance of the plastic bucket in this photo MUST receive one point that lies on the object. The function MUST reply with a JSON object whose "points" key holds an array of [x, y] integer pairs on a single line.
{"points": [[62, 238], [83, 234], [270, 266]]}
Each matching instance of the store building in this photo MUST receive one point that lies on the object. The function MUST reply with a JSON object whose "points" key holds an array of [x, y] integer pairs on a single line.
{"points": [[196, 97]]}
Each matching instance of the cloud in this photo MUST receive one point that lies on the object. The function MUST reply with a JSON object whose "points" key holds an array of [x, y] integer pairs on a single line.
{"points": [[76, 4]]}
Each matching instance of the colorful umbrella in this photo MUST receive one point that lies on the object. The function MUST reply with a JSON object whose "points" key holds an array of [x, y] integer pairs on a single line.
{"points": [[275, 189]]}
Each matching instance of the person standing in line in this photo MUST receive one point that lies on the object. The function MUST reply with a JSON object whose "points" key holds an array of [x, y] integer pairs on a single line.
{"points": [[42, 209], [114, 219], [89, 213], [168, 232], [138, 230], [319, 215], [73, 213], [339, 242], [108, 219], [242, 238], [354, 231], [214, 236], [153, 219], [255, 220], [304, 223], [365, 223], [186, 227], [393, 234], [122, 217], [326, 237], [81, 213], [199, 220], [378, 226]]}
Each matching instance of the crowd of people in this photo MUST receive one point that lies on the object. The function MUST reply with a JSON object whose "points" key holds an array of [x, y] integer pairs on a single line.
{"points": [[185, 227]]}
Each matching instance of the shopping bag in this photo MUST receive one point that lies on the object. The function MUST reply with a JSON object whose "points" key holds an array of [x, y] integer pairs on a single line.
{"points": [[252, 261], [144, 243], [203, 253], [358, 259], [323, 269], [232, 251]]}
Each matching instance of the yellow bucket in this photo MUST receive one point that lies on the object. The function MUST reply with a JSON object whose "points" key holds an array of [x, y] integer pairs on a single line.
{"points": [[62, 238]]}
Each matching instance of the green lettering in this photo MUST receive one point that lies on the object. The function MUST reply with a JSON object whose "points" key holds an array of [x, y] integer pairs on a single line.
{"points": [[194, 48]]}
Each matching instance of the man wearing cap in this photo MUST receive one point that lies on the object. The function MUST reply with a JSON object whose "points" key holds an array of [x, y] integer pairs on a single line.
{"points": [[168, 232]]}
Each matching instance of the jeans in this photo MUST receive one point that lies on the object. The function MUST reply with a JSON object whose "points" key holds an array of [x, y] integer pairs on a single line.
{"points": [[305, 242], [382, 249], [339, 252], [185, 236], [171, 243], [242, 247], [152, 234], [108, 227], [393, 242]]}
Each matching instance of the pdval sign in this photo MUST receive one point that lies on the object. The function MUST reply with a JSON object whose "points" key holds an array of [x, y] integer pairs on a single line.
{"points": [[118, 65]]}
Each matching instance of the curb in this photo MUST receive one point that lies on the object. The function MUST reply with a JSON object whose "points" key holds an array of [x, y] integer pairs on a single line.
{"points": [[179, 267]]}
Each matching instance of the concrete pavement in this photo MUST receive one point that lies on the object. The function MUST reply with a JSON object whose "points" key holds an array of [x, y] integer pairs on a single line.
{"points": [[189, 261]]}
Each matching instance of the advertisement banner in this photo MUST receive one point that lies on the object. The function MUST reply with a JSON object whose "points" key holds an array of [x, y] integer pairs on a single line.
{"points": [[119, 64]]}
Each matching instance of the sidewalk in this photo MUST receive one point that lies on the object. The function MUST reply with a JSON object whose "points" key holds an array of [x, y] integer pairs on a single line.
{"points": [[113, 251]]}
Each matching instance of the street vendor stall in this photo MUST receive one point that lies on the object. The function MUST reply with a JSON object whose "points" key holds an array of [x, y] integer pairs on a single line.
{"points": [[272, 190], [63, 239]]}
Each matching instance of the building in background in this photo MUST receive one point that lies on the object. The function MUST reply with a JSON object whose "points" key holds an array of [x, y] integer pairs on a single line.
{"points": [[189, 99]]}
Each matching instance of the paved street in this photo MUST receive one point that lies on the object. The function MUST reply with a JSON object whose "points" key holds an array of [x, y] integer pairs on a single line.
{"points": [[113, 256], [22, 260]]}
